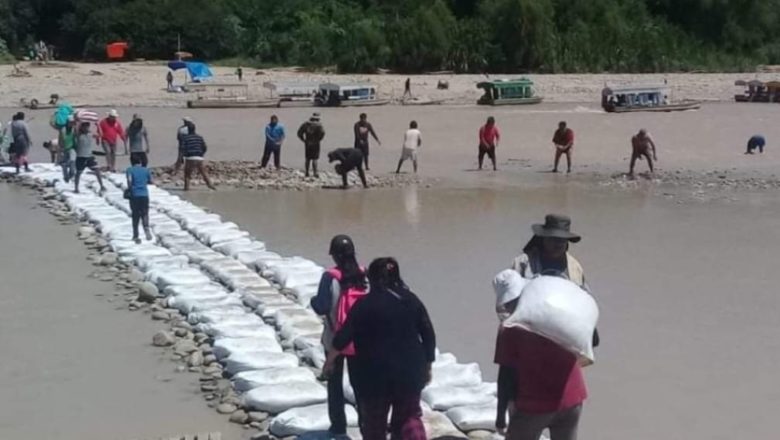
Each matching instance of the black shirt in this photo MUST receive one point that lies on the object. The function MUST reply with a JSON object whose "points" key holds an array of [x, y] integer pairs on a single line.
{"points": [[394, 343], [349, 157]]}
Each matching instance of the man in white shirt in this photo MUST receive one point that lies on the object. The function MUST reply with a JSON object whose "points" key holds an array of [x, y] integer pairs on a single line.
{"points": [[412, 141]]}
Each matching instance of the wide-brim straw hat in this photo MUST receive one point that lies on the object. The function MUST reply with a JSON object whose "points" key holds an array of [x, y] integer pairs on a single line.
{"points": [[556, 226]]}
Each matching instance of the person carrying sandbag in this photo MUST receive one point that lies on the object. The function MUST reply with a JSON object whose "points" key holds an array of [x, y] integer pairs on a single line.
{"points": [[542, 378], [340, 288]]}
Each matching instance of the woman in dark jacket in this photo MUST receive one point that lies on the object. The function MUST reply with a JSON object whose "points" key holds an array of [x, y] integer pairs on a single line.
{"points": [[395, 345]]}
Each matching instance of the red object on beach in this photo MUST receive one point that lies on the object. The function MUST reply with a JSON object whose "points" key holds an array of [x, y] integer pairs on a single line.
{"points": [[116, 51]]}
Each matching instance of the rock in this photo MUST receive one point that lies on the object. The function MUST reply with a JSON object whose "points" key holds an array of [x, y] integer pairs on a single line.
{"points": [[232, 399], [196, 359], [209, 359], [258, 416], [160, 316], [133, 306], [147, 292], [206, 349], [163, 339], [181, 368], [226, 408], [200, 337], [208, 387], [86, 231], [239, 417], [182, 324], [135, 275], [184, 347], [194, 370], [180, 332]]}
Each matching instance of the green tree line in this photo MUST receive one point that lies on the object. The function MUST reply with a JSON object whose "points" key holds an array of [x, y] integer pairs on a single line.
{"points": [[414, 35]]}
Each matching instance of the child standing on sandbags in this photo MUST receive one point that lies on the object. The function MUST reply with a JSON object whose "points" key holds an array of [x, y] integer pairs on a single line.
{"points": [[340, 288], [138, 180]]}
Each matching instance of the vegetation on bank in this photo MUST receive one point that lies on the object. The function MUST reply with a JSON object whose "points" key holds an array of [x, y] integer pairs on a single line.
{"points": [[414, 35]]}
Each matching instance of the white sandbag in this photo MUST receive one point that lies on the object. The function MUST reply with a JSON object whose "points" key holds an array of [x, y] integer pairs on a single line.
{"points": [[247, 380], [445, 359], [250, 257], [226, 235], [455, 375], [298, 421], [303, 294], [301, 328], [276, 399], [295, 278], [224, 347], [272, 267], [209, 289], [253, 299], [188, 305], [233, 248], [236, 329], [314, 355], [177, 277], [235, 314], [293, 315], [437, 425], [305, 342], [443, 398], [252, 281], [258, 360], [560, 311], [161, 262], [474, 417]]}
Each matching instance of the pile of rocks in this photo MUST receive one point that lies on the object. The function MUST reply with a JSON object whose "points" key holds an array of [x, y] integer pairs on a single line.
{"points": [[249, 175]]}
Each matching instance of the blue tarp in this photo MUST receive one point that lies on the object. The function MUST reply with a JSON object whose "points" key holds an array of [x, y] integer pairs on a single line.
{"points": [[198, 71]]}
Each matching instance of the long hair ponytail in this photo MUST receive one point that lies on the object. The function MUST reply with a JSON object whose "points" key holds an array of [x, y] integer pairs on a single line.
{"points": [[351, 273]]}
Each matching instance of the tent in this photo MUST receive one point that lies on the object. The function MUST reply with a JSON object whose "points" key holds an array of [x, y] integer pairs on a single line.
{"points": [[197, 71], [116, 51]]}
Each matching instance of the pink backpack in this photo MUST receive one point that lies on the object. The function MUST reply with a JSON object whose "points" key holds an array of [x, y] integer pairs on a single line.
{"points": [[347, 299]]}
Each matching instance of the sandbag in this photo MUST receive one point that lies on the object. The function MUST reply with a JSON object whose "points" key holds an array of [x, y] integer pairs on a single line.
{"points": [[560, 311], [314, 355], [224, 347], [293, 315], [236, 329], [301, 328], [276, 399], [445, 359], [235, 314], [258, 360], [455, 375], [474, 417], [247, 380], [298, 421], [437, 425], [253, 299], [442, 398]]}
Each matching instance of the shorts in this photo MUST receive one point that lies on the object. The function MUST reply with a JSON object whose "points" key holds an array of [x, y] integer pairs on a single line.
{"points": [[108, 146], [83, 163], [140, 155], [312, 152], [490, 150], [409, 154]]}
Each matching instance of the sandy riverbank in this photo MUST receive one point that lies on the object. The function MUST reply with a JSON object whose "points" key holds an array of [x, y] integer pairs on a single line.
{"points": [[143, 84]]}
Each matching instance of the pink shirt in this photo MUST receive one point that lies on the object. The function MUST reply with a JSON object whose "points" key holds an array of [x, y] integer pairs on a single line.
{"points": [[111, 132], [489, 135]]}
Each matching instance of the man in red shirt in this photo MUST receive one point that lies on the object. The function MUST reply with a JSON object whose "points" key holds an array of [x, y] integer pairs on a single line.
{"points": [[488, 141], [564, 144], [109, 131], [544, 380]]}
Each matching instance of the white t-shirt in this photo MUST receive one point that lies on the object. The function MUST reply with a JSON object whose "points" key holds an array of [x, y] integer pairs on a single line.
{"points": [[412, 139]]}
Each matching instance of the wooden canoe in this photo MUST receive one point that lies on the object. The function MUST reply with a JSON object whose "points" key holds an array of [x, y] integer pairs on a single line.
{"points": [[512, 101]]}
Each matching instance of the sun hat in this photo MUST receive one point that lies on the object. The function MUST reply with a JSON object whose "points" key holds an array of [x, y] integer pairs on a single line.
{"points": [[315, 117], [556, 226], [113, 113], [508, 285], [186, 119]]}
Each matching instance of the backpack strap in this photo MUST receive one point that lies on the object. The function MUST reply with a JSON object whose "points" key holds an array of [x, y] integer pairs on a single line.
{"points": [[335, 272]]}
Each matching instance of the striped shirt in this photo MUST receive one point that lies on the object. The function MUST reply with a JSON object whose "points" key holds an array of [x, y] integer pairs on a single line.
{"points": [[193, 145]]}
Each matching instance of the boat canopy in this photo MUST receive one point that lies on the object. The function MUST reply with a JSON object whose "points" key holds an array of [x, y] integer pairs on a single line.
{"points": [[751, 83], [772, 85], [505, 83], [292, 88], [345, 87], [198, 71], [647, 90]]}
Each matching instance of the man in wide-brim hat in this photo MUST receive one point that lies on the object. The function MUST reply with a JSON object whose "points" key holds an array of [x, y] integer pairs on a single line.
{"points": [[547, 253], [311, 134]]}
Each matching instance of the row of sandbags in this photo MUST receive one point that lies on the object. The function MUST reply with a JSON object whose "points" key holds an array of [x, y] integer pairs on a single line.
{"points": [[211, 271]]}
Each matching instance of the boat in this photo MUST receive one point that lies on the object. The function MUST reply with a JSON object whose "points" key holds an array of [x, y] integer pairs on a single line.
{"points": [[643, 99], [348, 95], [517, 91], [293, 94], [758, 91], [232, 103]]}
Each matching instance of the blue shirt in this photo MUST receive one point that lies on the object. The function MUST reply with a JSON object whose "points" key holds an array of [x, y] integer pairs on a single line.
{"points": [[757, 140], [274, 133], [139, 179]]}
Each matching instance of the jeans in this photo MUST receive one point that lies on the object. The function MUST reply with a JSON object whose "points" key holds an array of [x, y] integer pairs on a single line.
{"points": [[68, 164], [406, 422], [271, 148], [562, 425], [336, 401]]}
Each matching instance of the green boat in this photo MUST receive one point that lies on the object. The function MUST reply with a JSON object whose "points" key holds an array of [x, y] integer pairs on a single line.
{"points": [[518, 91]]}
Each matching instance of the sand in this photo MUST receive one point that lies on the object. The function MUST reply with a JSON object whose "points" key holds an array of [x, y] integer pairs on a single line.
{"points": [[75, 367], [143, 84]]}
